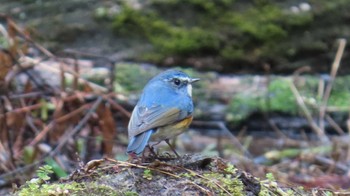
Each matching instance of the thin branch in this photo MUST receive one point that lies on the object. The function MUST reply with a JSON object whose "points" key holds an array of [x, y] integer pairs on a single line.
{"points": [[222, 127], [334, 70], [120, 108], [77, 128], [320, 133], [23, 109], [335, 126], [41, 135], [123, 163]]}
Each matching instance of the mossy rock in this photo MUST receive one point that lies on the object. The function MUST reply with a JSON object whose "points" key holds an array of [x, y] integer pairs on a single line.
{"points": [[190, 175], [236, 34]]}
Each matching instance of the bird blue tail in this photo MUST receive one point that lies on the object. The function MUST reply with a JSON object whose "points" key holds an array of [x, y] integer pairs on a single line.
{"points": [[139, 142]]}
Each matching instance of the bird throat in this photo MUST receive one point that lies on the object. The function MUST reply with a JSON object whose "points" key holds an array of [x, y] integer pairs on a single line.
{"points": [[189, 90]]}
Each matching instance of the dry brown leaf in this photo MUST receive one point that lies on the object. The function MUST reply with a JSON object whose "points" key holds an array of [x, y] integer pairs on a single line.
{"points": [[64, 108], [11, 31], [87, 88], [6, 63], [59, 128], [108, 128]]}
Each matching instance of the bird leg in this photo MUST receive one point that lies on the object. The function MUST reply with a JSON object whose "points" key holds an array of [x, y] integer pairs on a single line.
{"points": [[133, 158], [151, 149], [171, 147]]}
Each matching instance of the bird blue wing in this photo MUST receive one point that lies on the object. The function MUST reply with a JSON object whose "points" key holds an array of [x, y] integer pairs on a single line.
{"points": [[144, 119], [153, 111], [138, 143]]}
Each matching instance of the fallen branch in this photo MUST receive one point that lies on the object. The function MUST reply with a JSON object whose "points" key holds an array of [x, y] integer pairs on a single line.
{"points": [[69, 135], [334, 70], [320, 133]]}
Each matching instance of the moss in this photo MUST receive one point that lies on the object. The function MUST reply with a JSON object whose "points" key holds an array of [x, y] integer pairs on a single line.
{"points": [[129, 21], [165, 37], [130, 77], [225, 28], [241, 106], [34, 187], [94, 188], [233, 52], [229, 183], [278, 97], [213, 178], [130, 193], [40, 185], [339, 99], [259, 23], [49, 189], [340, 95], [147, 174], [184, 41]]}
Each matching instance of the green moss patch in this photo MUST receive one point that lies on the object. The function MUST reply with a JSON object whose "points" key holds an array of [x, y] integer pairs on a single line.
{"points": [[231, 32], [277, 96]]}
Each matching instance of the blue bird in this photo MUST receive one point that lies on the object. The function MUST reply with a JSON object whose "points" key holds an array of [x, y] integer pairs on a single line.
{"points": [[164, 110]]}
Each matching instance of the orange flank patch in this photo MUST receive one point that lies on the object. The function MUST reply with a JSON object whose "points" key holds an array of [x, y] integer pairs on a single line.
{"points": [[184, 123]]}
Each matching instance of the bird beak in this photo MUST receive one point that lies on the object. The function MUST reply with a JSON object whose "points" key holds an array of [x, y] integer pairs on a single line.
{"points": [[192, 80]]}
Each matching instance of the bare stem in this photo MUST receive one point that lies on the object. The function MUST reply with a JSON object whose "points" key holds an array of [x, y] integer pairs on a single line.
{"points": [[334, 70]]}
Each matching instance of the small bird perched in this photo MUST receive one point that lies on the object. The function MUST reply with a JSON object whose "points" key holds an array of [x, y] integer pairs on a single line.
{"points": [[163, 111]]}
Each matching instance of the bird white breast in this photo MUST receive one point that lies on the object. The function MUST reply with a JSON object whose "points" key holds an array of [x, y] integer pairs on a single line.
{"points": [[189, 90]]}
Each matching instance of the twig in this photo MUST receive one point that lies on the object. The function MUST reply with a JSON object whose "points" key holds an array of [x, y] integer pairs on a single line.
{"points": [[3, 150], [320, 133], [41, 135], [299, 71], [111, 62], [30, 122], [335, 67], [50, 55], [61, 119], [114, 58], [72, 114], [10, 176], [76, 77], [23, 109], [63, 78], [276, 129], [335, 126], [38, 81], [5, 129], [342, 168], [70, 134], [320, 89], [348, 128], [26, 95], [117, 106], [205, 178], [112, 76], [337, 109], [222, 127], [123, 163], [26, 37], [70, 74]]}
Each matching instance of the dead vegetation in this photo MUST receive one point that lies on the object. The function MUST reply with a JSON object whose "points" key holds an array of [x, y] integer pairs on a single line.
{"points": [[40, 120]]}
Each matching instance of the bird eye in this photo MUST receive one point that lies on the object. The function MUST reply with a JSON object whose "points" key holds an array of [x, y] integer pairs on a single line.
{"points": [[177, 82]]}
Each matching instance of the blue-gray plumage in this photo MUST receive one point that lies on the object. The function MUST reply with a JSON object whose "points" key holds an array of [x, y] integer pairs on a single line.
{"points": [[164, 110]]}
